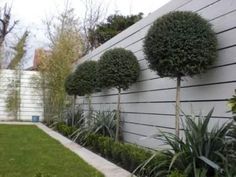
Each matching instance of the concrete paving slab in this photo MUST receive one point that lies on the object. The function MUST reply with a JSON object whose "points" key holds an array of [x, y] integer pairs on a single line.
{"points": [[17, 123], [107, 168]]}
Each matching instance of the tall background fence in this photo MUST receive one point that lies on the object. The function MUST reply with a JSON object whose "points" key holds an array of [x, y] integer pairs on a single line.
{"points": [[148, 106], [31, 103]]}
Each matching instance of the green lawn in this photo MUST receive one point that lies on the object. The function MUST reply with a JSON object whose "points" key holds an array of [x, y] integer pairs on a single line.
{"points": [[25, 150]]}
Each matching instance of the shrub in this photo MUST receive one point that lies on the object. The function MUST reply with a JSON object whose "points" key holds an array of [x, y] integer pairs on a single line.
{"points": [[65, 129], [118, 68], [180, 44], [126, 155], [116, 153], [92, 142], [176, 174]]}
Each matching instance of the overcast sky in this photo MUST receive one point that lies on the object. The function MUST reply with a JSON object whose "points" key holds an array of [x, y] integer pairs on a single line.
{"points": [[31, 14]]}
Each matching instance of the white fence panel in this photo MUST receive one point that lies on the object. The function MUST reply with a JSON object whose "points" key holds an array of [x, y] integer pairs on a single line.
{"points": [[31, 103]]}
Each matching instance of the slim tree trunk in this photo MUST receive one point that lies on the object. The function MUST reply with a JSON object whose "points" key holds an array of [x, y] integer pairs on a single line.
{"points": [[118, 117], [177, 106], [73, 111], [90, 107], [90, 110]]}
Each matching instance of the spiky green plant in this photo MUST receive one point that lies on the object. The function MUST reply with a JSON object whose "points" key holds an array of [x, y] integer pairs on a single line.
{"points": [[101, 122], [104, 123], [199, 153], [69, 115]]}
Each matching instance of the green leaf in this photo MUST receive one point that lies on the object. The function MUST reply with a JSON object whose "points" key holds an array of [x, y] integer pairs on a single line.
{"points": [[209, 162]]}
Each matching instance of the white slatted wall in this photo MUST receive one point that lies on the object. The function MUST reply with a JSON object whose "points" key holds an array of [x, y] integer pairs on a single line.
{"points": [[31, 101], [149, 104]]}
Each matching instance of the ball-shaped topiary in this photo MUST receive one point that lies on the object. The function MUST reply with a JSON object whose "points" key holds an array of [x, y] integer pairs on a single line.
{"points": [[71, 88], [70, 85], [86, 74], [180, 44], [118, 68]]}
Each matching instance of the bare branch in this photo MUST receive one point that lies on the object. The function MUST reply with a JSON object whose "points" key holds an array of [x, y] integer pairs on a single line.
{"points": [[93, 15], [12, 27], [5, 17], [48, 24]]}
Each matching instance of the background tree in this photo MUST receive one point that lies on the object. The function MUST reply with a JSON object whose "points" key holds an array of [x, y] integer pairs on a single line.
{"points": [[6, 26], [113, 26], [20, 52], [66, 47], [118, 68], [180, 44], [93, 15], [14, 88], [95, 30], [5, 19]]}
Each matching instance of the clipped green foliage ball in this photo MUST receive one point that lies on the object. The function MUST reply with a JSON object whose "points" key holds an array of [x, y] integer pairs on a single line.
{"points": [[180, 44], [118, 68], [70, 85], [86, 73]]}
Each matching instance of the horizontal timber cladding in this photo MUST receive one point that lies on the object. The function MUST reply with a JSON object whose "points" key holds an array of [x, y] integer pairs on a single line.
{"points": [[31, 98], [148, 106]]}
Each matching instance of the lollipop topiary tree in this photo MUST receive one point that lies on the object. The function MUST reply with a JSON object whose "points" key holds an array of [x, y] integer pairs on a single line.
{"points": [[71, 88], [118, 68], [87, 79], [180, 44], [86, 72]]}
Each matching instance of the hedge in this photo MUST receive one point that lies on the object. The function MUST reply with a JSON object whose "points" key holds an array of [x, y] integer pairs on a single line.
{"points": [[127, 156]]}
